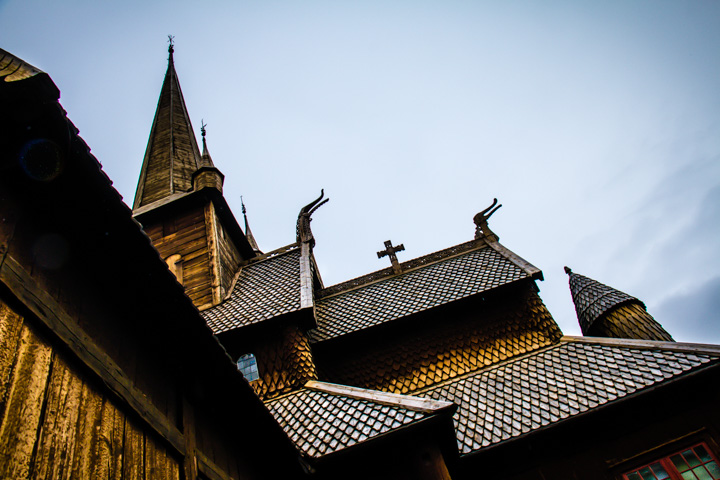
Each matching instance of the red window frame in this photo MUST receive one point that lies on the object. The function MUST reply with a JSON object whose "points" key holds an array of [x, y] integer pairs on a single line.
{"points": [[674, 472]]}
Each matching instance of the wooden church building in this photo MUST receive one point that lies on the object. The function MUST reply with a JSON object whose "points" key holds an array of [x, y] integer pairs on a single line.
{"points": [[161, 342]]}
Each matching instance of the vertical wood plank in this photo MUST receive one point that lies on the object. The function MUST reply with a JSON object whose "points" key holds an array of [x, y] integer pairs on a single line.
{"points": [[190, 461], [213, 254], [87, 432], [10, 325], [107, 451], [154, 461], [117, 445], [133, 452], [56, 445], [19, 429], [158, 464]]}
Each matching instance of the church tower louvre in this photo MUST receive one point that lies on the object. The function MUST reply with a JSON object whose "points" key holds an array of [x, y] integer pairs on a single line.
{"points": [[180, 204], [603, 311]]}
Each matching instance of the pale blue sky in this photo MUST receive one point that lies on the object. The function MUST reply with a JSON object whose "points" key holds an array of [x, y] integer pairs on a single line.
{"points": [[596, 124]]}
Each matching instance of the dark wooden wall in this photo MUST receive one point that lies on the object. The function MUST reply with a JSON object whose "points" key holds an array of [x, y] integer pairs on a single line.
{"points": [[56, 424], [209, 258], [186, 234], [227, 253], [102, 356]]}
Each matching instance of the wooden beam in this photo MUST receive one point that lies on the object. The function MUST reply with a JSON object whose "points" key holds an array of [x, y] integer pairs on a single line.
{"points": [[306, 282], [52, 315], [694, 348], [208, 468], [418, 404]]}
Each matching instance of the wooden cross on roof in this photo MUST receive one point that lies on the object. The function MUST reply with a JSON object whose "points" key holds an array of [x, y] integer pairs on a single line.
{"points": [[390, 251]]}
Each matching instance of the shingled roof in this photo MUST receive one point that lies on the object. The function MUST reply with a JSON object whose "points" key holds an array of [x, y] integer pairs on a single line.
{"points": [[266, 287], [323, 418], [553, 384], [593, 299], [427, 282]]}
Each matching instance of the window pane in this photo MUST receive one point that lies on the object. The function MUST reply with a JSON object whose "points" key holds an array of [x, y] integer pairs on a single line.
{"points": [[679, 462], [659, 471], [647, 474], [634, 476], [702, 453], [691, 458], [248, 366], [701, 473], [689, 475], [714, 470]]}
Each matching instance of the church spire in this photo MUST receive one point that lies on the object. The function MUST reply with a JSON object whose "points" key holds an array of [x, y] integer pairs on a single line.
{"points": [[606, 312], [172, 154]]}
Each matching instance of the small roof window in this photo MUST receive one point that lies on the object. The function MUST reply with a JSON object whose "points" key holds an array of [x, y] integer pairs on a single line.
{"points": [[247, 364]]}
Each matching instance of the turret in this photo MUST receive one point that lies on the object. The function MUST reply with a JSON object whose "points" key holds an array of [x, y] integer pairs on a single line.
{"points": [[606, 312]]}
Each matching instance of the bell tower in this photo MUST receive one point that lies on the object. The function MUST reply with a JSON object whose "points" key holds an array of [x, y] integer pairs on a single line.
{"points": [[180, 204]]}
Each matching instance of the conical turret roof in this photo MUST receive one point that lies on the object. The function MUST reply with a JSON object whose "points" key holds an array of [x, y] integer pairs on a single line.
{"points": [[172, 154], [592, 299], [248, 232], [205, 158]]}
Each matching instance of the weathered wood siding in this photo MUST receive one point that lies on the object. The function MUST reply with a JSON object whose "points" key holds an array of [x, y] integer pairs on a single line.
{"points": [[186, 234], [210, 258], [55, 424], [229, 258]]}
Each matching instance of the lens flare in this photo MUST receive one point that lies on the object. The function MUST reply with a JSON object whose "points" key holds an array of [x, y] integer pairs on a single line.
{"points": [[41, 160]]}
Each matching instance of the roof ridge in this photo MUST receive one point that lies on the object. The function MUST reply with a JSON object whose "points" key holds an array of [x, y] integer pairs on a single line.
{"points": [[417, 404], [408, 266], [272, 254], [686, 347], [521, 263], [13, 68]]}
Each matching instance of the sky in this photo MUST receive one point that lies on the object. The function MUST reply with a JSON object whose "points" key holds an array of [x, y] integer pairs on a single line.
{"points": [[595, 124]]}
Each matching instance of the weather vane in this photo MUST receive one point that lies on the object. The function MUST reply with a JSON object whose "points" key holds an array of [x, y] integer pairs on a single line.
{"points": [[202, 129], [171, 41]]}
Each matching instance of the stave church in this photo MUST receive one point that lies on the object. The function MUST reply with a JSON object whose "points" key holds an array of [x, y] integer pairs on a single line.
{"points": [[160, 341]]}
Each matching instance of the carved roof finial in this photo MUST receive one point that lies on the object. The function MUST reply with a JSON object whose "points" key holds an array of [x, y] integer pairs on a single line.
{"points": [[304, 234], [203, 132], [482, 230]]}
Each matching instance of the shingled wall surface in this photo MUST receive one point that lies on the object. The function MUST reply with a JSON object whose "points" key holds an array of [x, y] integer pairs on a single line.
{"points": [[446, 348]]}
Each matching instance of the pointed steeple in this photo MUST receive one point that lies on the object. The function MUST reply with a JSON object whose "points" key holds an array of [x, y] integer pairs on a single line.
{"points": [[603, 311], [248, 232], [172, 154], [205, 159]]}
